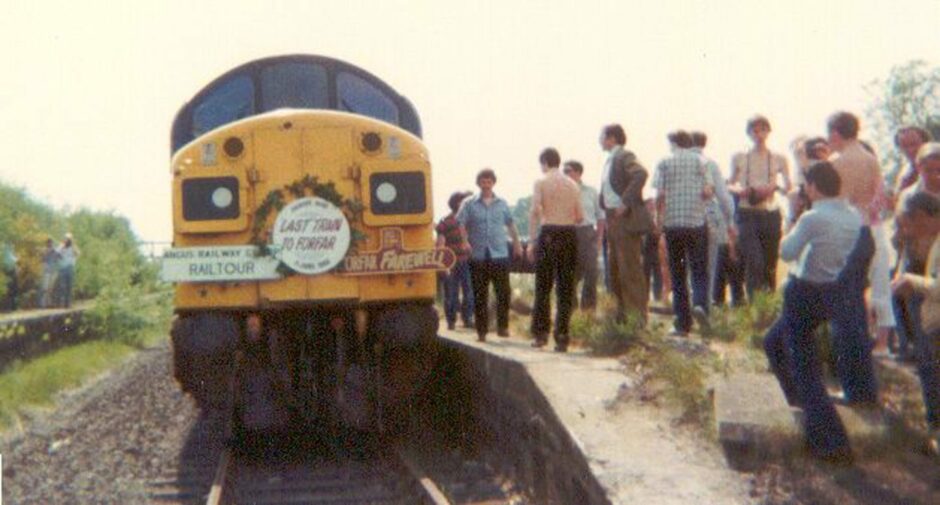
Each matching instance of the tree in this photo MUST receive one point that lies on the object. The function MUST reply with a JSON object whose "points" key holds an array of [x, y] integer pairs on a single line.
{"points": [[909, 96]]}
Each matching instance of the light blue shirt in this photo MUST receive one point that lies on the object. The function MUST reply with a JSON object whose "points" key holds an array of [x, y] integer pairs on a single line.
{"points": [[822, 240], [591, 205], [486, 226], [612, 200], [720, 209]]}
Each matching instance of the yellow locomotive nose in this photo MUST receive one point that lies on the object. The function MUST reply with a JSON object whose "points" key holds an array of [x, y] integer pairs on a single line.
{"points": [[303, 249]]}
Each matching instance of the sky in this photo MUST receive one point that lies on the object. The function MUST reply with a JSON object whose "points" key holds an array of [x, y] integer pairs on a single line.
{"points": [[89, 89]]}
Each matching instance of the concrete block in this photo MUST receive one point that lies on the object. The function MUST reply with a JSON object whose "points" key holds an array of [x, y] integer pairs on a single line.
{"points": [[753, 420]]}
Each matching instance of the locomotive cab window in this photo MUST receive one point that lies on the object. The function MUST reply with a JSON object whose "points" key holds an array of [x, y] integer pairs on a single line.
{"points": [[294, 85], [358, 96], [230, 101]]}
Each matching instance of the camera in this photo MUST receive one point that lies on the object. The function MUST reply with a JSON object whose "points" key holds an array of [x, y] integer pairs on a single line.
{"points": [[753, 197]]}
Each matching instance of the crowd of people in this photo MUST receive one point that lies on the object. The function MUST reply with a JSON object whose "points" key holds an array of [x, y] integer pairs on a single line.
{"points": [[58, 274], [714, 234]]}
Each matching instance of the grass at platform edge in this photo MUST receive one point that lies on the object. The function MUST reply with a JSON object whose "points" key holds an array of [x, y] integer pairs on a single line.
{"points": [[26, 386]]}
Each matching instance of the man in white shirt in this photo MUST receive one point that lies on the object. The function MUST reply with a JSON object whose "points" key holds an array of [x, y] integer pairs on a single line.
{"points": [[590, 236]]}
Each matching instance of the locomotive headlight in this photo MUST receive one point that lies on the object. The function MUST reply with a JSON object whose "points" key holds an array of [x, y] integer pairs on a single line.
{"points": [[386, 192], [397, 193], [210, 198], [222, 197]]}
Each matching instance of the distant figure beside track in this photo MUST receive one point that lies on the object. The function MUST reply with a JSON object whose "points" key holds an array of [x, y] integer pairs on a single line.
{"points": [[10, 271], [68, 254], [50, 270]]}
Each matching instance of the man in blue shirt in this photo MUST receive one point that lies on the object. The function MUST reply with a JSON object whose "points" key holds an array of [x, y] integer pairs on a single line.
{"points": [[484, 221], [832, 250]]}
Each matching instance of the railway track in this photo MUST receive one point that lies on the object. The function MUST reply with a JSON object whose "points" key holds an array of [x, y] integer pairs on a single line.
{"points": [[209, 473], [375, 479]]}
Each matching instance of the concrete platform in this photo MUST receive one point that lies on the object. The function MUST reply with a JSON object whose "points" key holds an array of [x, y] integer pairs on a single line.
{"points": [[567, 437], [755, 424]]}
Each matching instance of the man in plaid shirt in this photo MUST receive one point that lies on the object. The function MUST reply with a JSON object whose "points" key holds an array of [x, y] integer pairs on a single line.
{"points": [[684, 190]]}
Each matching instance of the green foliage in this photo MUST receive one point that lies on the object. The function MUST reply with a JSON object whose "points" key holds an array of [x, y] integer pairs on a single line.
{"points": [[107, 246], [748, 323], [608, 337], [685, 377], [908, 96], [125, 312], [35, 383]]}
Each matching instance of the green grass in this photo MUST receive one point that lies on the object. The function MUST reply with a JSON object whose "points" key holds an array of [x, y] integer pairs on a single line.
{"points": [[35, 383]]}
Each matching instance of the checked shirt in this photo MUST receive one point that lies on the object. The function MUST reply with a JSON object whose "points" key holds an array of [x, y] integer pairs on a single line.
{"points": [[682, 178]]}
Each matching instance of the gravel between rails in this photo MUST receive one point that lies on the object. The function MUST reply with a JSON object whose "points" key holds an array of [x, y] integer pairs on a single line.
{"points": [[104, 442]]}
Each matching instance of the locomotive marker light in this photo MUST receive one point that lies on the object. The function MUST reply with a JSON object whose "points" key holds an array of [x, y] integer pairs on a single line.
{"points": [[311, 234]]}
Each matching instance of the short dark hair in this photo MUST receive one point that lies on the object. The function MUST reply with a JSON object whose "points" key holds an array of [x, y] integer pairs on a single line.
{"points": [[921, 132], [824, 176], [680, 138], [455, 199], [616, 132], [812, 144], [923, 202], [486, 173], [575, 165], [843, 123], [550, 157], [699, 139], [756, 120]]}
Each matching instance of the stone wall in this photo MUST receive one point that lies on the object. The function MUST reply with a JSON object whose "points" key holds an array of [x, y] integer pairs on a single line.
{"points": [[494, 404]]}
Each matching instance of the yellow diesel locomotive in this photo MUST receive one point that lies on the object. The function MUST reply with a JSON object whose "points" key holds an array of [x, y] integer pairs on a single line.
{"points": [[303, 255]]}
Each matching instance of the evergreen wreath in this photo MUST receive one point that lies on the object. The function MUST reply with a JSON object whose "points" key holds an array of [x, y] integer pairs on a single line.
{"points": [[308, 185]]}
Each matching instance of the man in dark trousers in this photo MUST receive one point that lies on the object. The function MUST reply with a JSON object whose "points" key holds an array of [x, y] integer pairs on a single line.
{"points": [[484, 221], [833, 250], [684, 188], [556, 211], [627, 221]]}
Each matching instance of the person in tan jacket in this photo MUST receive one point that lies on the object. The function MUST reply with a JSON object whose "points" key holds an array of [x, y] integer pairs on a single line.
{"points": [[920, 219]]}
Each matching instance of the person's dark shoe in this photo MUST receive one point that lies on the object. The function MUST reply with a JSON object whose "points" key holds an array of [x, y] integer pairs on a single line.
{"points": [[701, 317], [561, 347], [841, 456], [503, 333], [539, 342], [481, 337], [676, 332], [451, 326]]}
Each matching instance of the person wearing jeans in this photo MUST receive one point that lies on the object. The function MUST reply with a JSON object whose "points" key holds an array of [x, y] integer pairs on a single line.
{"points": [[833, 250], [456, 281]]}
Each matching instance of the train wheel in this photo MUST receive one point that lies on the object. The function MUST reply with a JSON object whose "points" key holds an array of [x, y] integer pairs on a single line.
{"points": [[203, 357]]}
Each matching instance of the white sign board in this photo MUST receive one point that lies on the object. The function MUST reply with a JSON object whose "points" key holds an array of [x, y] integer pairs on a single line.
{"points": [[311, 235], [217, 264]]}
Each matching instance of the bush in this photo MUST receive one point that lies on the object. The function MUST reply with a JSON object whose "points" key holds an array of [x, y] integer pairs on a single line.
{"points": [[123, 312]]}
